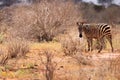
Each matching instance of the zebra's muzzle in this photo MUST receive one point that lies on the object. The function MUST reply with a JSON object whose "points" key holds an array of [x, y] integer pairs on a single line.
{"points": [[80, 35]]}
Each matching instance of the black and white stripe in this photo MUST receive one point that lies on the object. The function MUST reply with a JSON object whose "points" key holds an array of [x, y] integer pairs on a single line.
{"points": [[96, 31]]}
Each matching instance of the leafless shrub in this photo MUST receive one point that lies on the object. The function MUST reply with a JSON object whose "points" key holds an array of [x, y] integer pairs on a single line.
{"points": [[41, 21], [53, 18], [21, 21], [49, 64]]}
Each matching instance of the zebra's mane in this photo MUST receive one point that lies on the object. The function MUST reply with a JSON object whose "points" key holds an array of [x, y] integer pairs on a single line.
{"points": [[93, 24]]}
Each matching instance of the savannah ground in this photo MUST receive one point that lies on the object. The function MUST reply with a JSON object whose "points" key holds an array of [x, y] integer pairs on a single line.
{"points": [[44, 45], [80, 66]]}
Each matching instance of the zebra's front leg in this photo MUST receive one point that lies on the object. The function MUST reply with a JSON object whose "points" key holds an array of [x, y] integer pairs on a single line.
{"points": [[89, 40]]}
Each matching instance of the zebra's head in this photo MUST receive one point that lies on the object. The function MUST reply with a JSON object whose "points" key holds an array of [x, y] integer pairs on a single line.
{"points": [[80, 28]]}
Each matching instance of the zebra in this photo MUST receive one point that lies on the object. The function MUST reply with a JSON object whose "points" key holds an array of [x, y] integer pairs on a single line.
{"points": [[95, 31]]}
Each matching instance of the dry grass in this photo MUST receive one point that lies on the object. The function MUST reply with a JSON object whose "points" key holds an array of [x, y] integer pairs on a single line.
{"points": [[116, 38], [15, 48], [70, 46], [115, 67], [77, 66], [2, 57], [101, 71]]}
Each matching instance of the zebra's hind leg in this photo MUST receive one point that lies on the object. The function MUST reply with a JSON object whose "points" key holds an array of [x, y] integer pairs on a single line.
{"points": [[110, 41], [101, 41]]}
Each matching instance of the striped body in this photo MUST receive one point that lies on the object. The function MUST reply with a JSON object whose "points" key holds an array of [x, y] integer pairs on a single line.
{"points": [[96, 31]]}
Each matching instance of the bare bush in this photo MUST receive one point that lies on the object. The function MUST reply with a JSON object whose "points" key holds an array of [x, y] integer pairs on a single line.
{"points": [[50, 65], [53, 18], [41, 21], [21, 21]]}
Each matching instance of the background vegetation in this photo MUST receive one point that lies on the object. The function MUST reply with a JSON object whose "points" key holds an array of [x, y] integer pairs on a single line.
{"points": [[40, 41]]}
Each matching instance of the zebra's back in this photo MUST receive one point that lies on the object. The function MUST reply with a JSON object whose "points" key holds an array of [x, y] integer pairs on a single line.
{"points": [[96, 30]]}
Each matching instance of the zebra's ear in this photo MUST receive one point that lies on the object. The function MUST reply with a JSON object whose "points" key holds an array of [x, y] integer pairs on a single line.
{"points": [[78, 23]]}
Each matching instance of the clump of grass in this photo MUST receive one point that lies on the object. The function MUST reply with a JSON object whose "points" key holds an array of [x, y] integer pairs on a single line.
{"points": [[115, 67], [100, 71], [21, 72], [115, 38], [3, 31], [2, 57], [70, 46], [15, 48], [1, 37]]}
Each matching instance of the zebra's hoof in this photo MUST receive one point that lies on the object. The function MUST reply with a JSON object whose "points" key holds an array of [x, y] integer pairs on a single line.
{"points": [[99, 51]]}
